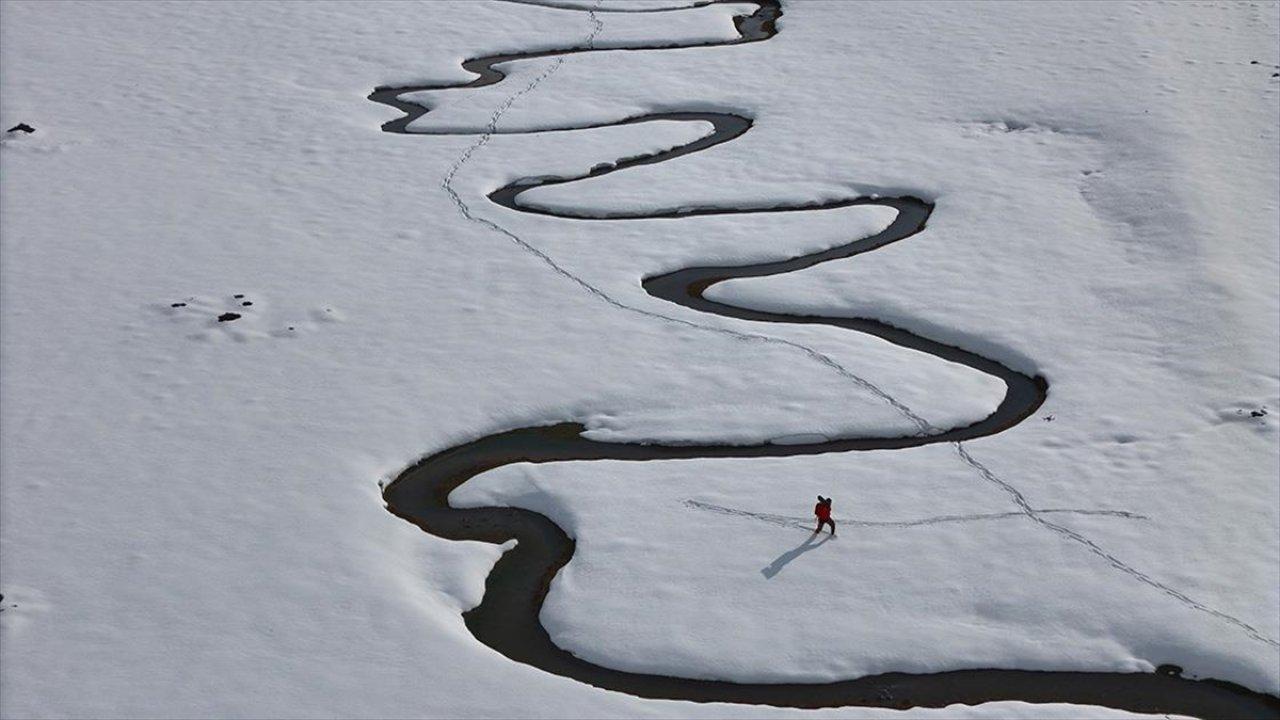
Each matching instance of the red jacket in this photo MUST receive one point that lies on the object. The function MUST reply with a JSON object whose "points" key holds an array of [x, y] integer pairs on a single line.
{"points": [[823, 511]]}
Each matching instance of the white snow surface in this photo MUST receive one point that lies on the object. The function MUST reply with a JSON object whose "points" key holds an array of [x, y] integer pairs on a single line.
{"points": [[190, 516]]}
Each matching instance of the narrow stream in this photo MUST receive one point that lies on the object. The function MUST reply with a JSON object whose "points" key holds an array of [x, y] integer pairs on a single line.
{"points": [[507, 619]]}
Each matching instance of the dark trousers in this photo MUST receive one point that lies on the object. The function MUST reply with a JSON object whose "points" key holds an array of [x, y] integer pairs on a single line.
{"points": [[822, 522]]}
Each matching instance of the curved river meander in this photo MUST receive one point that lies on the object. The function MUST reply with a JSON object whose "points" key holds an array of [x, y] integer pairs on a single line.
{"points": [[507, 619]]}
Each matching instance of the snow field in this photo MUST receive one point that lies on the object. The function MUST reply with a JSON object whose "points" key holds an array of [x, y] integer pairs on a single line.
{"points": [[189, 520]]}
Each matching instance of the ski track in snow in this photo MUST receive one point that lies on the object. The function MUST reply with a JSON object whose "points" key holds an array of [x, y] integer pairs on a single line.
{"points": [[805, 523], [924, 428]]}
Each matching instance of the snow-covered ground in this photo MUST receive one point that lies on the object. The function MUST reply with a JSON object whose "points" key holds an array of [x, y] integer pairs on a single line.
{"points": [[190, 517]]}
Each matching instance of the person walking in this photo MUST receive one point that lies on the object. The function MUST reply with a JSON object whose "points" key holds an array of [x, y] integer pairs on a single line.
{"points": [[823, 512]]}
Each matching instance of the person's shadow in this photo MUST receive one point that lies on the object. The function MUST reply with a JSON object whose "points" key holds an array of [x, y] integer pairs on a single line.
{"points": [[782, 560]]}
